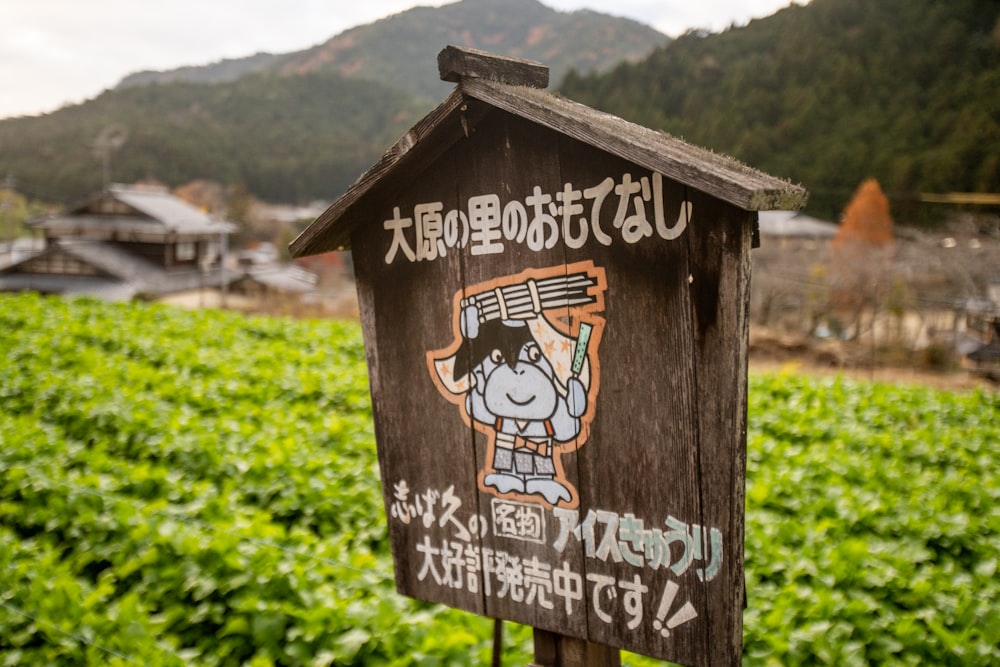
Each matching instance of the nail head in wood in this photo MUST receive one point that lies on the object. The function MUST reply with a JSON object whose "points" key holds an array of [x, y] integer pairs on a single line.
{"points": [[456, 63]]}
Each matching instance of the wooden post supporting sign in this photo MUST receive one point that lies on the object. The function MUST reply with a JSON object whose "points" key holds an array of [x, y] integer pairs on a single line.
{"points": [[554, 650]]}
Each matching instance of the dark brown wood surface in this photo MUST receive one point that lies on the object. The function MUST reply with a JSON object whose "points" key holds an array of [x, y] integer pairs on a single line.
{"points": [[668, 435], [721, 319], [643, 458], [494, 161], [713, 173], [553, 650], [458, 63], [405, 309], [721, 264]]}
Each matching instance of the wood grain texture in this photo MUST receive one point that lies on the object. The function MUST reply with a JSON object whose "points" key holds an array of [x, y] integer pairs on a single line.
{"points": [[554, 650], [494, 161], [457, 63], [720, 289], [715, 174], [405, 307], [643, 457], [666, 447]]}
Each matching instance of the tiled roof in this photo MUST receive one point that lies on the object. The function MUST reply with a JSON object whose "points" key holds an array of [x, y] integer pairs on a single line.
{"points": [[154, 212], [125, 274], [175, 214], [794, 224]]}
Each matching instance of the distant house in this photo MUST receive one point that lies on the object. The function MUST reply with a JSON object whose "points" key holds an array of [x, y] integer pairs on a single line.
{"points": [[123, 243], [981, 343], [18, 249], [789, 271], [266, 281], [785, 226]]}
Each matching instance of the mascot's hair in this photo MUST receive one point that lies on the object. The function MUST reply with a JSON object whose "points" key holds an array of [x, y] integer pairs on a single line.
{"points": [[507, 336]]}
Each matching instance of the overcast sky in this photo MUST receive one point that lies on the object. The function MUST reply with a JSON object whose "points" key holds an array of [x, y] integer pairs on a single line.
{"points": [[54, 52]]}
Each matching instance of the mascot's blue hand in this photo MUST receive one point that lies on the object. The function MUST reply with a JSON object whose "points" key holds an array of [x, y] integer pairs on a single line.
{"points": [[576, 397], [469, 321]]}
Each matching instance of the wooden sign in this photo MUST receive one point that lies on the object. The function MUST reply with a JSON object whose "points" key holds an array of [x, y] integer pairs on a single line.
{"points": [[557, 339]]}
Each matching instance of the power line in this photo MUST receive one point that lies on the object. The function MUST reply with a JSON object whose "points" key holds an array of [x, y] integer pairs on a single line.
{"points": [[72, 635]]}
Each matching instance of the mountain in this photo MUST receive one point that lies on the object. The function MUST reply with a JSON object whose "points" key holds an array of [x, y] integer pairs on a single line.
{"points": [[289, 139], [299, 126], [223, 71], [400, 51], [827, 94]]}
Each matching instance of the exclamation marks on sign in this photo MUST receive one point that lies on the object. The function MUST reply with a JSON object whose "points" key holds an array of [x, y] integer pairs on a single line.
{"points": [[683, 615]]}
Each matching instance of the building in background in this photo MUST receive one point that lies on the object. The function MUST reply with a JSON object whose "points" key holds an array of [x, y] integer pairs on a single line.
{"points": [[123, 243]]}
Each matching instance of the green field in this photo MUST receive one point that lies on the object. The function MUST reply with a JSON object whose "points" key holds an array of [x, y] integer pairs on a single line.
{"points": [[201, 488]]}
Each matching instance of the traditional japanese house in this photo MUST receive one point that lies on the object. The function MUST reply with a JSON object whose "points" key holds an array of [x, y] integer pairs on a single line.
{"points": [[125, 242], [266, 282]]}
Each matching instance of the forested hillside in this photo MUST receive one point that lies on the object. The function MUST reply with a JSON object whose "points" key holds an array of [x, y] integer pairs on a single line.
{"points": [[827, 94], [284, 138], [400, 50], [298, 126]]}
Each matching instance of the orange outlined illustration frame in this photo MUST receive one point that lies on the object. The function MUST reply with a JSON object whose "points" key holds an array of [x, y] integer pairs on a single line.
{"points": [[557, 329]]}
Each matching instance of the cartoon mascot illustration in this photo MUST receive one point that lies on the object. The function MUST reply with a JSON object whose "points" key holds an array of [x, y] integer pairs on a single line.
{"points": [[524, 370]]}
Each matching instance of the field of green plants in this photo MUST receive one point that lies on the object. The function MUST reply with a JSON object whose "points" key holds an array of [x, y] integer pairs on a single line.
{"points": [[201, 488]]}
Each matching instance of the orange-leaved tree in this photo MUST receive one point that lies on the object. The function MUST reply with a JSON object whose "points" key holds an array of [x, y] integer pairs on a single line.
{"points": [[866, 219], [862, 255]]}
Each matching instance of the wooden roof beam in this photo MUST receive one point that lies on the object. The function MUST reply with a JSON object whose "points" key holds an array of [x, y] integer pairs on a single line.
{"points": [[456, 63]]}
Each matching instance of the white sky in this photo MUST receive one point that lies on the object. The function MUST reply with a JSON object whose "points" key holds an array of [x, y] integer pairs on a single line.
{"points": [[55, 52]]}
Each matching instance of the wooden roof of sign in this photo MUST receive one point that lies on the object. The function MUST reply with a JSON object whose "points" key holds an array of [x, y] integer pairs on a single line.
{"points": [[486, 82]]}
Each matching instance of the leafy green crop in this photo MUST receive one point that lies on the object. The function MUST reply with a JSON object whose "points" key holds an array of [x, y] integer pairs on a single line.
{"points": [[197, 488], [201, 488], [873, 531]]}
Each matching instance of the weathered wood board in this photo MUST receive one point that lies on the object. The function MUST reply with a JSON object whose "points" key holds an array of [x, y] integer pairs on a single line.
{"points": [[557, 342]]}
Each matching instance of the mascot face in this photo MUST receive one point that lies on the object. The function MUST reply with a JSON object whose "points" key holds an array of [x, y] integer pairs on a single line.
{"points": [[510, 371], [521, 388]]}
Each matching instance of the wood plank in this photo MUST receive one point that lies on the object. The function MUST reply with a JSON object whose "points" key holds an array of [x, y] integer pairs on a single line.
{"points": [[554, 650], [457, 63], [720, 291], [641, 464], [654, 475], [495, 162], [715, 174], [424, 455]]}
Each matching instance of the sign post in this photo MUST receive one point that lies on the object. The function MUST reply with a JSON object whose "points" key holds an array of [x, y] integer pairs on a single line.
{"points": [[554, 304]]}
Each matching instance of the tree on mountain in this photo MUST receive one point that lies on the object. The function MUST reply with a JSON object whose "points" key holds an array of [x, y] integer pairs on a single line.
{"points": [[209, 196]]}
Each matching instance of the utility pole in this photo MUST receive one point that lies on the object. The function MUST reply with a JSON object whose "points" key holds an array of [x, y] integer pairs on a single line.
{"points": [[223, 249], [107, 141], [6, 203]]}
